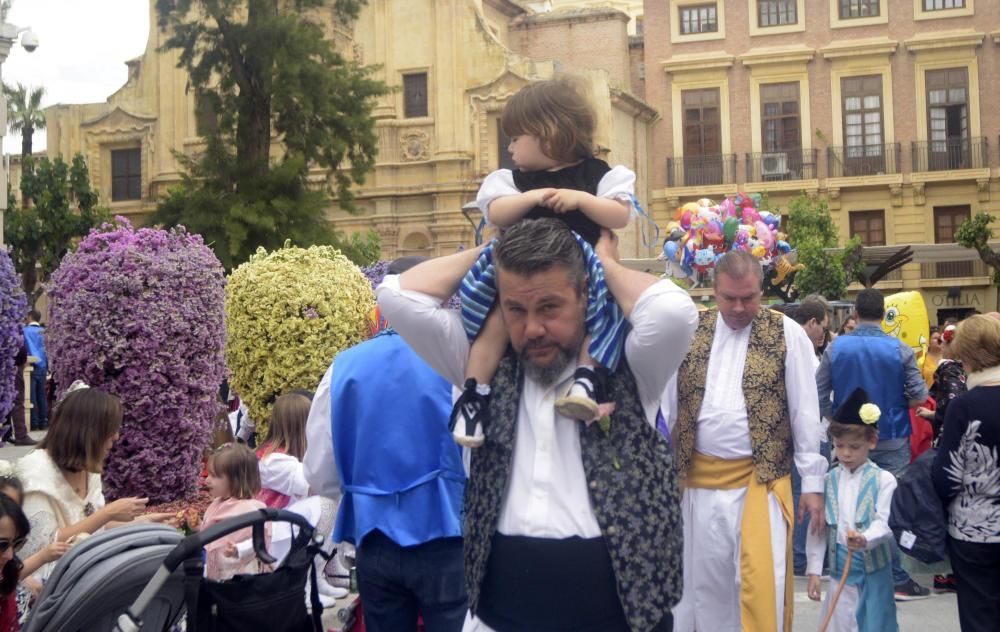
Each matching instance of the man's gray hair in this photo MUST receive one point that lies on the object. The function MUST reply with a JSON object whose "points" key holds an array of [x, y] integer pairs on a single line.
{"points": [[737, 264], [532, 246]]}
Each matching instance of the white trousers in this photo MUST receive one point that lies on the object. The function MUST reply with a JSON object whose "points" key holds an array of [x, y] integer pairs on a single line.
{"points": [[711, 598], [845, 617]]}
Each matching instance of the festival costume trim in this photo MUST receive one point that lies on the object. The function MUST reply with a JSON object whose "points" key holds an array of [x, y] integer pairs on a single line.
{"points": [[757, 598]]}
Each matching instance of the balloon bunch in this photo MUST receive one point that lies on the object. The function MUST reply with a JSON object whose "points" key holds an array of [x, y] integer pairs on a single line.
{"points": [[703, 231]]}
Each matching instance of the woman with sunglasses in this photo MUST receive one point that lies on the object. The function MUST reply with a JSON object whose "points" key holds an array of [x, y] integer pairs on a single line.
{"points": [[14, 530], [63, 496]]}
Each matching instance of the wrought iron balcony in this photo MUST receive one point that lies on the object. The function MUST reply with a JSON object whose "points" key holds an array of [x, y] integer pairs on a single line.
{"points": [[693, 171], [953, 153], [871, 160], [953, 269], [777, 166]]}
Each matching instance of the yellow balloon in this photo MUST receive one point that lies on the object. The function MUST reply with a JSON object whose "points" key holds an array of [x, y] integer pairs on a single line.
{"points": [[906, 319]]}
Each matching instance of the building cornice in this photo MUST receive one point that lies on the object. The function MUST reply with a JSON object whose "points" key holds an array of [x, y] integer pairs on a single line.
{"points": [[507, 7], [777, 55], [859, 48], [633, 105], [942, 40], [694, 63]]}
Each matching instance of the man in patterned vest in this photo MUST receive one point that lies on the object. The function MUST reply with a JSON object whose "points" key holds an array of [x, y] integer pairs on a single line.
{"points": [[568, 526], [743, 411]]}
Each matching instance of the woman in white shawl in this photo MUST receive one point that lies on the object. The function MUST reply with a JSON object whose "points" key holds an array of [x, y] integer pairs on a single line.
{"points": [[63, 498]]}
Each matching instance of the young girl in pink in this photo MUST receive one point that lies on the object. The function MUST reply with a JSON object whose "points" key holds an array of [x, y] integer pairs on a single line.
{"points": [[282, 478], [233, 481]]}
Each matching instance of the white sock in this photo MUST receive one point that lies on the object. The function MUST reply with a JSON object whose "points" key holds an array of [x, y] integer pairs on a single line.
{"points": [[483, 389]]}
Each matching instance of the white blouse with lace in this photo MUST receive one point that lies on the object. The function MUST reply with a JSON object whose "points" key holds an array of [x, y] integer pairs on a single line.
{"points": [[50, 503]]}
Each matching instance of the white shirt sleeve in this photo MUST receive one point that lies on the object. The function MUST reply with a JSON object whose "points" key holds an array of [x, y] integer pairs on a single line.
{"points": [[284, 474], [434, 332], [878, 531], [500, 183], [318, 465], [663, 321], [618, 184], [803, 407], [816, 546]]}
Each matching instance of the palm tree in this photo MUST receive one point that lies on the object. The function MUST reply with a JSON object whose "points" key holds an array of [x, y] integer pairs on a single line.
{"points": [[24, 114]]}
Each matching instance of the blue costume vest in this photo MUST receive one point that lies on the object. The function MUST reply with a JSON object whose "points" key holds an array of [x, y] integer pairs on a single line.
{"points": [[869, 358], [35, 340], [400, 470]]}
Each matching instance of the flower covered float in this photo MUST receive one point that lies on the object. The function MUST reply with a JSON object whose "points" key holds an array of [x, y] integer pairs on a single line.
{"points": [[139, 313], [289, 313]]}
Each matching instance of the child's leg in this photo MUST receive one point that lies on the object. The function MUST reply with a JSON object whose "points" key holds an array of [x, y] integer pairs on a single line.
{"points": [[485, 354], [587, 389]]}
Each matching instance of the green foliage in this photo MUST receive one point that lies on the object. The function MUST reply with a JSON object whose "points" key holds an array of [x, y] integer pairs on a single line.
{"points": [[976, 233], [263, 67], [810, 232], [64, 210], [24, 113]]}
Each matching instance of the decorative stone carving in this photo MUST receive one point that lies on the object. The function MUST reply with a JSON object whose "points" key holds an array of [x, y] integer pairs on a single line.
{"points": [[919, 197], [414, 145], [983, 188], [896, 193], [359, 53], [833, 199]]}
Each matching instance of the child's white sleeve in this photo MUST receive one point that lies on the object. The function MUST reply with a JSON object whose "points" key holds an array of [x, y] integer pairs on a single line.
{"points": [[878, 531], [815, 551], [618, 184], [284, 474], [500, 183]]}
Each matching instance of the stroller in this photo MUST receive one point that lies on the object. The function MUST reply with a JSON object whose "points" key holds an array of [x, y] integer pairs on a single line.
{"points": [[97, 585]]}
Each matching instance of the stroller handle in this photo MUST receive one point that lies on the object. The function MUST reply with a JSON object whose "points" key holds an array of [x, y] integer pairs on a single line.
{"points": [[192, 544]]}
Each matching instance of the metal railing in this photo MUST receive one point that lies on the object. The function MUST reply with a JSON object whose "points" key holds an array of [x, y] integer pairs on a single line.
{"points": [[692, 171], [953, 269], [871, 160], [953, 153], [777, 166]]}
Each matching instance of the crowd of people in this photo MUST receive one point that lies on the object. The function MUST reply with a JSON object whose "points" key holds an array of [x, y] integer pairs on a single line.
{"points": [[580, 447]]}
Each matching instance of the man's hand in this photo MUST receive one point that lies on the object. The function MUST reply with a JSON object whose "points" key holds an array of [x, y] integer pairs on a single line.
{"points": [[813, 503], [563, 200], [607, 246]]}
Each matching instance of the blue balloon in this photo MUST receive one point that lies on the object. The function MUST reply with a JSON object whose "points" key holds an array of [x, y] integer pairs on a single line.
{"points": [[783, 246], [670, 250]]}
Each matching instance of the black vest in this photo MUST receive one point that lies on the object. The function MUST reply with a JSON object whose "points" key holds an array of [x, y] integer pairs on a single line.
{"points": [[633, 491]]}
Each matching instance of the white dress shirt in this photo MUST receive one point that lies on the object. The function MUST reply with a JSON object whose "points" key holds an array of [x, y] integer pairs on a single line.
{"points": [[547, 493], [318, 464], [723, 425], [847, 503]]}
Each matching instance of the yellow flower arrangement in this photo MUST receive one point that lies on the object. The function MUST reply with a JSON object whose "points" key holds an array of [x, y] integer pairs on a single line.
{"points": [[869, 413], [288, 313]]}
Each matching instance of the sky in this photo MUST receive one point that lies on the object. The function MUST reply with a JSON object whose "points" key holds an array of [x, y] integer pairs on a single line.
{"points": [[84, 45]]}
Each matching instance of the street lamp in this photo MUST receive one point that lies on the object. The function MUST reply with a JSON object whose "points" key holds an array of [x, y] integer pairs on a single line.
{"points": [[29, 42]]}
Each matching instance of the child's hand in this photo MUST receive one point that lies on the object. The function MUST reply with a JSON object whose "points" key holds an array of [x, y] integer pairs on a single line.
{"points": [[543, 195], [813, 588], [230, 550], [856, 541], [54, 551], [563, 200], [925, 413]]}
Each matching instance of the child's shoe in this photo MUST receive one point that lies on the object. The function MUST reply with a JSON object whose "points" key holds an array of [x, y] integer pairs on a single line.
{"points": [[469, 413], [583, 397]]}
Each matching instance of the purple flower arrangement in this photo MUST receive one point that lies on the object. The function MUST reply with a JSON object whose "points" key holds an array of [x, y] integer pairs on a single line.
{"points": [[377, 271], [13, 307], [140, 314]]}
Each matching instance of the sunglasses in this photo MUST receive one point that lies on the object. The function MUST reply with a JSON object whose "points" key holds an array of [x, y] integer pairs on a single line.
{"points": [[7, 544]]}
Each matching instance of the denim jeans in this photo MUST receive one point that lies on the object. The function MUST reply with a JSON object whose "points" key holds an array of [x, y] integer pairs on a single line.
{"points": [[802, 527], [893, 456], [398, 584], [39, 400]]}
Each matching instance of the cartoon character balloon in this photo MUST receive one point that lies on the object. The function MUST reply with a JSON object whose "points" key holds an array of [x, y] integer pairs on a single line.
{"points": [[906, 319]]}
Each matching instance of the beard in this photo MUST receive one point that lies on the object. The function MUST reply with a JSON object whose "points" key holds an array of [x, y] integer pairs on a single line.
{"points": [[547, 375]]}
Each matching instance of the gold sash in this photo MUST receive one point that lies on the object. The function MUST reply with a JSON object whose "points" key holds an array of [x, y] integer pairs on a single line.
{"points": [[757, 598]]}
